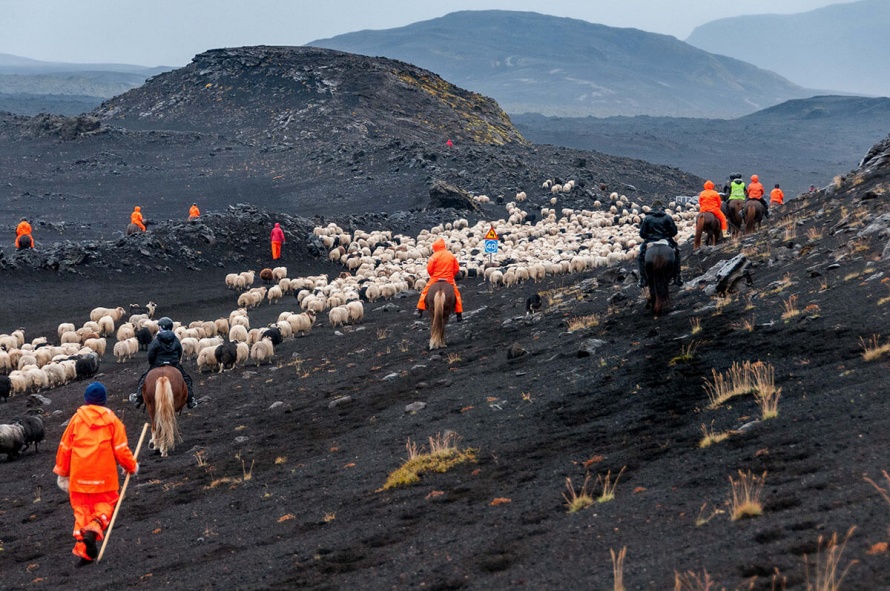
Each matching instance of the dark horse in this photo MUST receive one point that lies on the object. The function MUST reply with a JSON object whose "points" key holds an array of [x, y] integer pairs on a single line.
{"points": [[24, 242], [708, 224], [440, 302], [753, 215], [659, 263], [133, 229], [732, 209], [165, 393]]}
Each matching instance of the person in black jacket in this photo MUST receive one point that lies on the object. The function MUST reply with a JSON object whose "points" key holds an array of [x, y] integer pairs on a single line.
{"points": [[658, 225], [165, 349]]}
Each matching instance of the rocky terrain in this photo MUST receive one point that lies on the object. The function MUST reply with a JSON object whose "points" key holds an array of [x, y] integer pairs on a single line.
{"points": [[277, 482]]}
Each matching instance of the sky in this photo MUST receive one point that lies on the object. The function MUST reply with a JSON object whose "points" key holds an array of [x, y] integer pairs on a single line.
{"points": [[172, 32]]}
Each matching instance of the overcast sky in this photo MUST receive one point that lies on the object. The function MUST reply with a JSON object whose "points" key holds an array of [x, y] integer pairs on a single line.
{"points": [[170, 33]]}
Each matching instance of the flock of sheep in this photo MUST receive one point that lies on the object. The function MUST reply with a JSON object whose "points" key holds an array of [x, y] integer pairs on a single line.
{"points": [[377, 265]]}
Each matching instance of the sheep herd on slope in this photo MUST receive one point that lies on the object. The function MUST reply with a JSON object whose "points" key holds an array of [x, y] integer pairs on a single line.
{"points": [[377, 265]]}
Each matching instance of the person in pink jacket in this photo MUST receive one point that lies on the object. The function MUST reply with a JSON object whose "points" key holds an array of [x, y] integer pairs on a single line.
{"points": [[277, 238]]}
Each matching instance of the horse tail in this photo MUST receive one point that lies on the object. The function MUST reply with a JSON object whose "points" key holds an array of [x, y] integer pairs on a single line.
{"points": [[437, 330], [699, 228], [166, 428], [659, 270]]}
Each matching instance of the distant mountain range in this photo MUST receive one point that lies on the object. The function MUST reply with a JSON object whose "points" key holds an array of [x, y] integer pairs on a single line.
{"points": [[530, 62], [842, 46]]}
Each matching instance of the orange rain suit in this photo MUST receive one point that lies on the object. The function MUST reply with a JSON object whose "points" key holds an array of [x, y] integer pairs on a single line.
{"points": [[194, 212], [442, 266], [755, 189], [277, 238], [91, 447], [777, 196], [709, 200], [136, 218], [23, 229]]}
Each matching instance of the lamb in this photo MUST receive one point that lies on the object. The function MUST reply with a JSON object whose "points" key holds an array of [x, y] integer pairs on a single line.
{"points": [[262, 350], [12, 440]]}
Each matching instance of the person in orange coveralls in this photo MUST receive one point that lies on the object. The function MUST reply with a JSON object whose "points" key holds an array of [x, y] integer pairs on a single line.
{"points": [[777, 196], [756, 191], [709, 200], [92, 446], [194, 212], [136, 218], [277, 238], [441, 266], [23, 229]]}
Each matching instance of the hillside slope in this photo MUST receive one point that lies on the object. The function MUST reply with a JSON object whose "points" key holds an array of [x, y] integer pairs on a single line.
{"points": [[839, 47], [530, 62], [277, 482]]}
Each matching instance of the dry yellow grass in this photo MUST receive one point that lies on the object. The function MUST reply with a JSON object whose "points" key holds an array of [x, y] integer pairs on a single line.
{"points": [[736, 382], [790, 307], [443, 455], [608, 493], [745, 498], [884, 492], [872, 350], [582, 322], [691, 581], [711, 437], [827, 577], [763, 378], [696, 325], [618, 569], [577, 500], [814, 234], [702, 518], [687, 354]]}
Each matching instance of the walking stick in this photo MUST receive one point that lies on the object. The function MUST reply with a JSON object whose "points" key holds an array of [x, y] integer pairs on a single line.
{"points": [[120, 499]]}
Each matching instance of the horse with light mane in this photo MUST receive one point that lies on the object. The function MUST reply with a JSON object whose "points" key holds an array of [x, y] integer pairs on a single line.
{"points": [[165, 394]]}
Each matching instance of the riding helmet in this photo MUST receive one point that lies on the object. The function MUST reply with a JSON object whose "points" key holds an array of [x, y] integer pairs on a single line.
{"points": [[165, 323]]}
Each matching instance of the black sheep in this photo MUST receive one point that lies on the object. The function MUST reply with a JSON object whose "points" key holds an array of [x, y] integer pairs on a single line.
{"points": [[533, 304], [86, 366], [5, 387], [273, 333], [143, 335], [226, 355], [34, 432]]}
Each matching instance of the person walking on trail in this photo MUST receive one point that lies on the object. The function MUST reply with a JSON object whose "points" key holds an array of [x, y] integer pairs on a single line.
{"points": [[136, 218], [277, 238], [756, 191], [777, 196], [709, 200], [194, 212], [23, 229], [165, 349], [658, 225], [442, 266], [92, 446]]}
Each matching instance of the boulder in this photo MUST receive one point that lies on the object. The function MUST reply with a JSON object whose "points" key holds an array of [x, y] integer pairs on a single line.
{"points": [[444, 195]]}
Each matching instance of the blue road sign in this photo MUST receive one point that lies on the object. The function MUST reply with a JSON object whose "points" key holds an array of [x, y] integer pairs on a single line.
{"points": [[491, 247]]}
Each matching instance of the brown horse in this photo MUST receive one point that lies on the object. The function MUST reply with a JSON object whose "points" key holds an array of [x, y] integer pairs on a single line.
{"points": [[165, 393], [732, 209], [753, 215], [133, 229], [659, 263], [24, 242], [708, 224], [440, 301]]}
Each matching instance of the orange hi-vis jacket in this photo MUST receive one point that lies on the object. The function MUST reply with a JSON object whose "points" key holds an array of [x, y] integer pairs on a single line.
{"points": [[92, 446], [136, 218], [755, 190], [194, 212], [777, 196], [709, 200], [442, 266]]}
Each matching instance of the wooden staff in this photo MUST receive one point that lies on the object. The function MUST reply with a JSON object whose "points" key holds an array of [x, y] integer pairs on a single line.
{"points": [[120, 499]]}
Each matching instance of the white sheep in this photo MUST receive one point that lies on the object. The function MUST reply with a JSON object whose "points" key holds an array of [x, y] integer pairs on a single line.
{"points": [[262, 350], [115, 313], [356, 311], [338, 316]]}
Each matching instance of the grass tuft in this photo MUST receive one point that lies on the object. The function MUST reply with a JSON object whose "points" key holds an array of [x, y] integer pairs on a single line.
{"points": [[687, 354], [608, 493], [711, 437], [826, 576], [696, 325], [790, 306], [702, 519], [443, 455], [745, 499], [618, 568], [873, 350], [577, 500], [581, 322], [690, 581]]}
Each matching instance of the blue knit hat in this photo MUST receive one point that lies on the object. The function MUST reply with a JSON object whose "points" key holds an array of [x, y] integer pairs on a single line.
{"points": [[95, 394]]}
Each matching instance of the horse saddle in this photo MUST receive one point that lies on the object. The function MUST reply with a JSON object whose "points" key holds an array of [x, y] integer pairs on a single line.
{"points": [[663, 242]]}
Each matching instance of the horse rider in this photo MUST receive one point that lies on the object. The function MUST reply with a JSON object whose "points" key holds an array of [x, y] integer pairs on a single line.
{"points": [[23, 229], [136, 218], [194, 212], [756, 191], [165, 349], [442, 266], [658, 225], [737, 188], [709, 201]]}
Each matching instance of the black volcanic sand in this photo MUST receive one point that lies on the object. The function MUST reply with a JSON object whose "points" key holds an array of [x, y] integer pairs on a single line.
{"points": [[311, 515]]}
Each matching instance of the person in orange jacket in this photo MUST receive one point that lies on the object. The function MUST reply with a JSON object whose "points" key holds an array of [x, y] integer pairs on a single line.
{"points": [[442, 266], [709, 200], [136, 218], [92, 446], [777, 196], [756, 191], [23, 229], [277, 238], [194, 212]]}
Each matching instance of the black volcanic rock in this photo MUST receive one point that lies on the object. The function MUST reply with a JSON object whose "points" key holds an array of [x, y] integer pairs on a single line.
{"points": [[444, 195], [282, 96]]}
